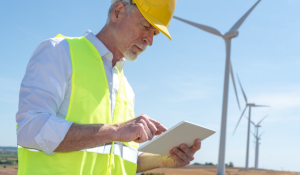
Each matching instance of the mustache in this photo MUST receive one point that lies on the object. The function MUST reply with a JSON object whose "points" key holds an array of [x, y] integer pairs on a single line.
{"points": [[141, 46]]}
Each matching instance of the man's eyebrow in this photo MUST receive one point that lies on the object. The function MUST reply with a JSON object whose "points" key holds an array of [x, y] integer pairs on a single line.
{"points": [[151, 26], [144, 21]]}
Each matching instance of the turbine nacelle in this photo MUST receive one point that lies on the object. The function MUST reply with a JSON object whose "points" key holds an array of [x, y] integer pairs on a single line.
{"points": [[230, 34], [251, 104], [255, 105]]}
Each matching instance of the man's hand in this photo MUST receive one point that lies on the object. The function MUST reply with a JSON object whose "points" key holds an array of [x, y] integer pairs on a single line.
{"points": [[181, 156], [139, 129]]}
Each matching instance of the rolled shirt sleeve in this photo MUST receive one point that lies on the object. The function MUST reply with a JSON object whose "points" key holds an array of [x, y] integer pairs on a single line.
{"points": [[43, 89]]}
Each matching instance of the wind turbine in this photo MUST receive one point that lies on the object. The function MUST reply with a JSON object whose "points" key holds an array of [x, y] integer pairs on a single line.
{"points": [[232, 33], [250, 105], [257, 137], [257, 149]]}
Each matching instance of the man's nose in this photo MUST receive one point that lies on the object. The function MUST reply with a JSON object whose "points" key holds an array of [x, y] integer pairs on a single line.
{"points": [[148, 39]]}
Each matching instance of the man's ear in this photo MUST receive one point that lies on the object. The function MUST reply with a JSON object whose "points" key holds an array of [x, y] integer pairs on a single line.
{"points": [[117, 12]]}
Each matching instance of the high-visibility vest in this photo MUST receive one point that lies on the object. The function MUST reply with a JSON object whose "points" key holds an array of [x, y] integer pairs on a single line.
{"points": [[89, 104]]}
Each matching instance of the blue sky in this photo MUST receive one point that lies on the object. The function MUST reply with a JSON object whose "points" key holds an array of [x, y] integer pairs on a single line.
{"points": [[182, 79]]}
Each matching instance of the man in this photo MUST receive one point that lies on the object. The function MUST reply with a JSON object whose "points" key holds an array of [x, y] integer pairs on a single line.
{"points": [[76, 111]]}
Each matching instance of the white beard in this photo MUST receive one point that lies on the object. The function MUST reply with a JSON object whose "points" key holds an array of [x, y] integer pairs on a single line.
{"points": [[129, 55]]}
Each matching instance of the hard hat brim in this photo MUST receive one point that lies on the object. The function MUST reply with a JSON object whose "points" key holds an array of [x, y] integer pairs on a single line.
{"points": [[155, 23]]}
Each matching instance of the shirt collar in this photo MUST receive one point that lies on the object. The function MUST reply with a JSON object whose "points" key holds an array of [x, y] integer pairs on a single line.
{"points": [[106, 55]]}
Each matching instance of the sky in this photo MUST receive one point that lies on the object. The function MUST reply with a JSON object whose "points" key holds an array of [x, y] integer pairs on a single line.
{"points": [[183, 79]]}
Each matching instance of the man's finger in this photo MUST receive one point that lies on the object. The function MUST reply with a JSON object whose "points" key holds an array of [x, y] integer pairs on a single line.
{"points": [[158, 125], [151, 126], [181, 155], [181, 161], [158, 132], [148, 131], [187, 151], [178, 160], [143, 137], [196, 146]]}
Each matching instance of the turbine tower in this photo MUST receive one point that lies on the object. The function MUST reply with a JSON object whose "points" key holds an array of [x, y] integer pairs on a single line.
{"points": [[257, 138], [250, 105], [257, 143], [232, 33]]}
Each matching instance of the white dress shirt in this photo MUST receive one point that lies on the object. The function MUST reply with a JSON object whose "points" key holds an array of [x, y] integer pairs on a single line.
{"points": [[45, 93]]}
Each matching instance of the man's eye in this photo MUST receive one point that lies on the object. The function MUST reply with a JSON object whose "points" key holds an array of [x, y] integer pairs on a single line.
{"points": [[146, 27]]}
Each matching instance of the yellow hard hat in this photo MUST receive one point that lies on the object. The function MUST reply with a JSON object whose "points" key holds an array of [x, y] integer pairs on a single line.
{"points": [[157, 12]]}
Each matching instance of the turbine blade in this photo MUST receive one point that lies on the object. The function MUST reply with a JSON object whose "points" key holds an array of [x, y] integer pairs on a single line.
{"points": [[240, 120], [262, 119], [245, 97], [261, 106], [261, 134], [200, 26], [250, 121], [233, 82], [240, 22]]}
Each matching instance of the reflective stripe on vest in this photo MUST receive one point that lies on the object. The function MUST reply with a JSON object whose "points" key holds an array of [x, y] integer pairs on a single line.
{"points": [[89, 104], [119, 149]]}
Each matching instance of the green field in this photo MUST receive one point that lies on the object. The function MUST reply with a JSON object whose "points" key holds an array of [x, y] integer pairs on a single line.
{"points": [[9, 154]]}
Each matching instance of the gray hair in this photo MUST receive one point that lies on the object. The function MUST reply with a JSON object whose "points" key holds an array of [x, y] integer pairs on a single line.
{"points": [[128, 6]]}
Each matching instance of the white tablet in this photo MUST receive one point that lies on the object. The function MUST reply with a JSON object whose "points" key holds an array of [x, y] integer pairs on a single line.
{"points": [[183, 132]]}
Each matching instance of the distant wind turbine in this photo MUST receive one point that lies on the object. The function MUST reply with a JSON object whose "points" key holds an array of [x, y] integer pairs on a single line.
{"points": [[250, 105], [257, 138], [232, 33]]}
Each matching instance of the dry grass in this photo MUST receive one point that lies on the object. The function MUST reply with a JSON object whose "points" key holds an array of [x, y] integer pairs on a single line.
{"points": [[211, 170], [10, 170], [188, 170]]}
